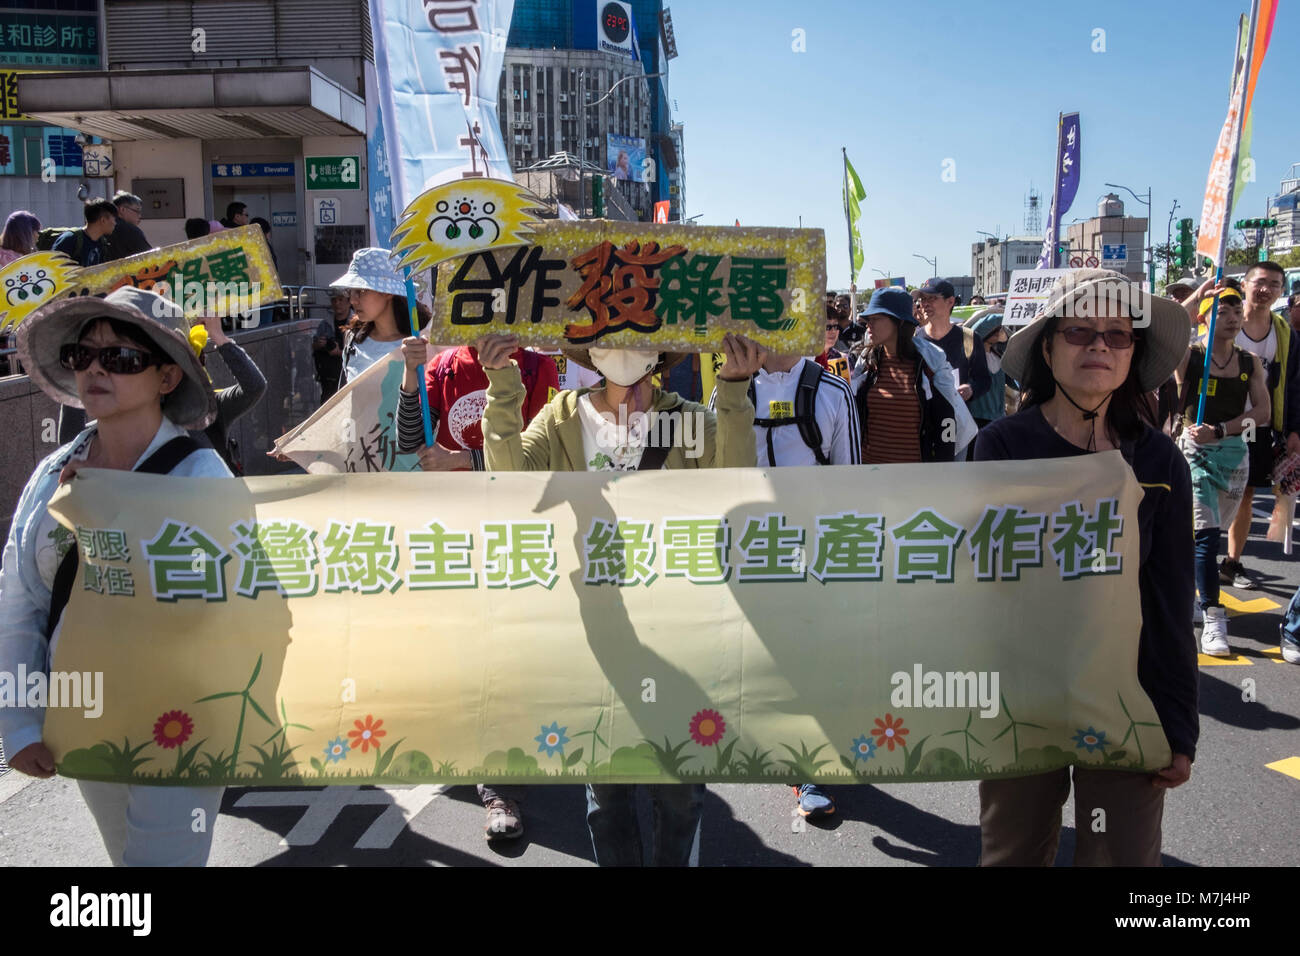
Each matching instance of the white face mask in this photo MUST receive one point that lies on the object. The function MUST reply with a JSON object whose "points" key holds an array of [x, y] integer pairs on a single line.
{"points": [[623, 366], [995, 363]]}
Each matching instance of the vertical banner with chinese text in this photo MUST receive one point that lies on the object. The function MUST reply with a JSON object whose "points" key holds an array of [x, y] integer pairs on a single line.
{"points": [[438, 65]]}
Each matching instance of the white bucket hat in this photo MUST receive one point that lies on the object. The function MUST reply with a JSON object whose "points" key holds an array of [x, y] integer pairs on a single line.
{"points": [[375, 269]]}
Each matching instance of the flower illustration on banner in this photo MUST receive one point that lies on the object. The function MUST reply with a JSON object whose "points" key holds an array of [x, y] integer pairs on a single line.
{"points": [[889, 732], [172, 729], [864, 748], [552, 739], [707, 727], [336, 750], [366, 734], [1091, 739]]}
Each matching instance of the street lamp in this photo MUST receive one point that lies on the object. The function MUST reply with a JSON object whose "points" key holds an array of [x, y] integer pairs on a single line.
{"points": [[1169, 242], [1151, 254], [582, 172], [934, 263]]}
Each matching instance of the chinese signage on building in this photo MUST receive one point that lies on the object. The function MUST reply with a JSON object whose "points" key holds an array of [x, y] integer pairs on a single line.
{"points": [[50, 39]]}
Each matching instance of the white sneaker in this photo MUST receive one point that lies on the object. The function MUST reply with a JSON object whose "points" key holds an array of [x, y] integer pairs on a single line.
{"points": [[1214, 636]]}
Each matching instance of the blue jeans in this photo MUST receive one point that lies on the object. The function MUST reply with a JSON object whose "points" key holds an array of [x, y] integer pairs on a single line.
{"points": [[616, 833], [1207, 566]]}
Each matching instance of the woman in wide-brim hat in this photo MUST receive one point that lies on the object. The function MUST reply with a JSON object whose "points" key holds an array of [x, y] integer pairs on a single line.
{"points": [[1086, 367], [598, 429], [128, 361]]}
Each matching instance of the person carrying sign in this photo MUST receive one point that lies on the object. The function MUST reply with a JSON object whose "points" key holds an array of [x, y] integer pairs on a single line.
{"points": [[128, 360], [1085, 370], [595, 430], [1217, 450]]}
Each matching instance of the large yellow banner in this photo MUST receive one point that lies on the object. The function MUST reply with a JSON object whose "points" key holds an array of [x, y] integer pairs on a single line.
{"points": [[640, 285], [897, 623]]}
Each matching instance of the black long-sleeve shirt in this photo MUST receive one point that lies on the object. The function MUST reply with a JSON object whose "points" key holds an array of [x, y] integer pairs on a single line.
{"points": [[1167, 668], [235, 400], [974, 371]]}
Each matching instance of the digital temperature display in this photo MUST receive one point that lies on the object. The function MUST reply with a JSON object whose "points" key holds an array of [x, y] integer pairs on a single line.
{"points": [[615, 23]]}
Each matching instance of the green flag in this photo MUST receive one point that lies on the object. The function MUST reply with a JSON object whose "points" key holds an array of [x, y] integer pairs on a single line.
{"points": [[854, 193]]}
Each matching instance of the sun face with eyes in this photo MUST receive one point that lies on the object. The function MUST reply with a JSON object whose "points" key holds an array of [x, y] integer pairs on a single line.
{"points": [[458, 218]]}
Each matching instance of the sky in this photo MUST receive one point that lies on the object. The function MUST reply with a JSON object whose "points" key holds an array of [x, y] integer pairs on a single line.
{"points": [[906, 87]]}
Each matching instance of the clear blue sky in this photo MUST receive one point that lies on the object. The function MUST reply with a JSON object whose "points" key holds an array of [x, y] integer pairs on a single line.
{"points": [[904, 86]]}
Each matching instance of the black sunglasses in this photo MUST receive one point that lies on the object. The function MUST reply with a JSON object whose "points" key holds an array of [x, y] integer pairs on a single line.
{"points": [[115, 359], [1084, 336]]}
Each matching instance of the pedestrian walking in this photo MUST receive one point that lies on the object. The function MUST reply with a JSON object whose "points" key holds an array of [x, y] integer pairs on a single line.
{"points": [[126, 358], [594, 430], [1085, 368]]}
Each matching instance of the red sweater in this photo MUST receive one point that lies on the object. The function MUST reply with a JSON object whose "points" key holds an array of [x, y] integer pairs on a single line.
{"points": [[457, 388]]}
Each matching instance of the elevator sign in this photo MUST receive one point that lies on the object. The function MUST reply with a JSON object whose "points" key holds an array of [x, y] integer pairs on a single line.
{"points": [[332, 172]]}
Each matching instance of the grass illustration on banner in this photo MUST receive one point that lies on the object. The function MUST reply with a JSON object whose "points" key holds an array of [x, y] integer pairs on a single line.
{"points": [[461, 217]]}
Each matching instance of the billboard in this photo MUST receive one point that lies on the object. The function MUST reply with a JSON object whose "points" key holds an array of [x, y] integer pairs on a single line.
{"points": [[625, 158], [607, 26]]}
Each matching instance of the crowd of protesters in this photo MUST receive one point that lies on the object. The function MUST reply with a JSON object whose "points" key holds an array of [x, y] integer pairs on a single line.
{"points": [[899, 382]]}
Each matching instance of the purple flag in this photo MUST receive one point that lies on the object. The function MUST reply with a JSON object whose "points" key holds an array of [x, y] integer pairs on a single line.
{"points": [[1064, 187]]}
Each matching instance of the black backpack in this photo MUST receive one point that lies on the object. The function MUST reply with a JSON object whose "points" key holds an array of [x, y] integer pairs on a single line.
{"points": [[161, 462], [805, 414], [46, 238]]}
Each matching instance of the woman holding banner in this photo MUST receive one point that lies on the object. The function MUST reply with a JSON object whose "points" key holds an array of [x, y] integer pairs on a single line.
{"points": [[377, 291], [128, 361], [598, 430], [1085, 367]]}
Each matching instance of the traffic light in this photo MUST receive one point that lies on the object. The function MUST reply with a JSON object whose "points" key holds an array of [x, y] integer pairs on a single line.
{"points": [[1255, 224], [1186, 246], [598, 197]]}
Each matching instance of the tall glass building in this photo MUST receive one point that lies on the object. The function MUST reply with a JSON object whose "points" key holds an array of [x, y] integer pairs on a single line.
{"points": [[562, 57]]}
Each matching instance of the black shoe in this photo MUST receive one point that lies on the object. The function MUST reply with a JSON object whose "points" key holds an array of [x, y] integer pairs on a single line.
{"points": [[1233, 574]]}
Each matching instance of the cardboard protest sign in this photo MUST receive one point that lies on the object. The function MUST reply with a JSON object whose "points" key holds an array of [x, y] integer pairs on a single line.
{"points": [[740, 625], [229, 273], [640, 285], [356, 430]]}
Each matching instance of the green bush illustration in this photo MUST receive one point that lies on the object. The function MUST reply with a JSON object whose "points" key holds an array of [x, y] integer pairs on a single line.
{"points": [[512, 761]]}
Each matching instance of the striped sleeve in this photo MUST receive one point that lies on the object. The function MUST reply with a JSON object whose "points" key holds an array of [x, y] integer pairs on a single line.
{"points": [[410, 423], [846, 442]]}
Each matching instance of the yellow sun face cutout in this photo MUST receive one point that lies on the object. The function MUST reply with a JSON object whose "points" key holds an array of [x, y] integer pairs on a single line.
{"points": [[458, 218], [29, 282]]}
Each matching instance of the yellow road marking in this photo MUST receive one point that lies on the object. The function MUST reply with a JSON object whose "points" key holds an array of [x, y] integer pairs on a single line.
{"points": [[1236, 606], [1289, 766], [1275, 654], [1205, 660]]}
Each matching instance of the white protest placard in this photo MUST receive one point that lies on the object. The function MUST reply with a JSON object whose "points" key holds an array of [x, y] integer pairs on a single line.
{"points": [[1028, 293]]}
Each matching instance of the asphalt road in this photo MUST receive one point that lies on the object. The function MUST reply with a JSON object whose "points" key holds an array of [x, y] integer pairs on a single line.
{"points": [[1239, 809]]}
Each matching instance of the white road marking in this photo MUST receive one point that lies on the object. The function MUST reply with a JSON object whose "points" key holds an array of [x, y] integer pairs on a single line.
{"points": [[323, 807], [12, 782]]}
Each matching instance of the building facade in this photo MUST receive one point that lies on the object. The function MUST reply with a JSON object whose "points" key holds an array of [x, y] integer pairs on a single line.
{"points": [[40, 164], [992, 261], [1285, 236], [1089, 240], [562, 59]]}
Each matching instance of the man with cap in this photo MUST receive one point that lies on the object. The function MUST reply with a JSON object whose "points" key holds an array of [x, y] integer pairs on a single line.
{"points": [[327, 344], [934, 301], [1268, 337]]}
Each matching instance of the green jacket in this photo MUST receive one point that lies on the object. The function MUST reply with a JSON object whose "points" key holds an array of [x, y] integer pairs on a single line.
{"points": [[553, 439]]}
